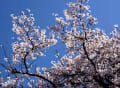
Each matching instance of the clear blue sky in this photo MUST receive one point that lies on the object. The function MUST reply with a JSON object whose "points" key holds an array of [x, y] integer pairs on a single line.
{"points": [[107, 12]]}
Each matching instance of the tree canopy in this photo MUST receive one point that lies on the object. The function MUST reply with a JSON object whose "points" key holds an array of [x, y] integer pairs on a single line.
{"points": [[92, 59]]}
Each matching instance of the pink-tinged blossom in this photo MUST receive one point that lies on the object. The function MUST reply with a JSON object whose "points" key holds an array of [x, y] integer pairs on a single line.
{"points": [[6, 59], [116, 25], [91, 59]]}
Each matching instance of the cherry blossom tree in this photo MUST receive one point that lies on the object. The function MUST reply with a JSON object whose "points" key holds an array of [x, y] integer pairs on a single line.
{"points": [[92, 59]]}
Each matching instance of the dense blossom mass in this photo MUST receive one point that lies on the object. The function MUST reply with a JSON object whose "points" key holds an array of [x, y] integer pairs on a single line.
{"points": [[92, 59]]}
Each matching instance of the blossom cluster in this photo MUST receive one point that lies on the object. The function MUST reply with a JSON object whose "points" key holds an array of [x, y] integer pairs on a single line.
{"points": [[92, 59], [30, 39]]}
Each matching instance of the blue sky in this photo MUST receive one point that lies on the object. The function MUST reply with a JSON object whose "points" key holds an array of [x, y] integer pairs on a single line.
{"points": [[107, 12]]}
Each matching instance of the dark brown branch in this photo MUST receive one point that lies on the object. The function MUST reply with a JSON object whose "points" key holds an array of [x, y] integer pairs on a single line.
{"points": [[100, 80], [4, 66], [27, 52], [35, 75], [91, 61], [25, 61]]}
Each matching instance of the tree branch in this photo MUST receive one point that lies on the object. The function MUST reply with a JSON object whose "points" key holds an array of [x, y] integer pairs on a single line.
{"points": [[35, 75]]}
